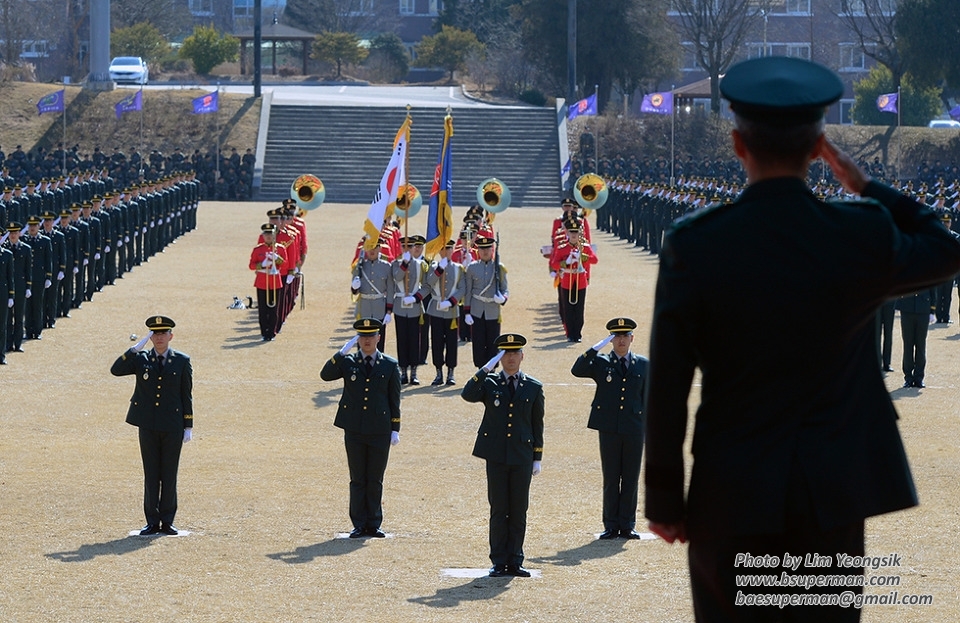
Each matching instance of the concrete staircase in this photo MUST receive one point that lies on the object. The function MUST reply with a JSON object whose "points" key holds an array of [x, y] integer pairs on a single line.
{"points": [[349, 148]]}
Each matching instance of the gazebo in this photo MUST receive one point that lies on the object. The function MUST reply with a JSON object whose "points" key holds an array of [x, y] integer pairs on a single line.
{"points": [[273, 33]]}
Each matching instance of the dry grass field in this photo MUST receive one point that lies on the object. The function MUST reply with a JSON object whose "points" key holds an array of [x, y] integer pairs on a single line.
{"points": [[263, 486]]}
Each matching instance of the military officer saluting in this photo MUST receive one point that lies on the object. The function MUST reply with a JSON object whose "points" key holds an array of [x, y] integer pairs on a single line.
{"points": [[617, 414]]}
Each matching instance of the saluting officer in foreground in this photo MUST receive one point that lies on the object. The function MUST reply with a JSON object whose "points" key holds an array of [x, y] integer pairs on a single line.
{"points": [[369, 414], [510, 439], [617, 414], [162, 408]]}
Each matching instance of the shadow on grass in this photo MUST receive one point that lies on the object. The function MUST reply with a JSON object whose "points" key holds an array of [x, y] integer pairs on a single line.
{"points": [[491, 588], [117, 547], [588, 551], [308, 553]]}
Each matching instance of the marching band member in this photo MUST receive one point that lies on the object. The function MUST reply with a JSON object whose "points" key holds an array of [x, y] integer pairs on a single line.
{"points": [[571, 262], [266, 259]]}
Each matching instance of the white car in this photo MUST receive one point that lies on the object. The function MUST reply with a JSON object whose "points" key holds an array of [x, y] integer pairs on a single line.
{"points": [[944, 123], [132, 69]]}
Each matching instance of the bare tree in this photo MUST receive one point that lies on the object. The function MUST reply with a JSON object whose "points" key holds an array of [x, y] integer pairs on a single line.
{"points": [[171, 17], [873, 23], [717, 30], [16, 28], [359, 16]]}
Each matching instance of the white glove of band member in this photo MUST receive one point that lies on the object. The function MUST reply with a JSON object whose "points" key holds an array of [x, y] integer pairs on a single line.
{"points": [[599, 345], [443, 263], [265, 262], [394, 438], [188, 435], [932, 318], [490, 365], [572, 258], [499, 299], [76, 270], [290, 278], [349, 345], [355, 284], [29, 293], [60, 275], [407, 257], [467, 318], [387, 318], [96, 256], [536, 467], [409, 300], [9, 302], [444, 305], [553, 274], [139, 345], [47, 283]]}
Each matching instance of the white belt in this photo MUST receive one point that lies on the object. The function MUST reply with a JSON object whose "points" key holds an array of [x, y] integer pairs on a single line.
{"points": [[485, 299], [373, 296]]}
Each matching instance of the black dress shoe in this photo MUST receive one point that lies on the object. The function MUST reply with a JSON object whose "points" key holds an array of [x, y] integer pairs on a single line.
{"points": [[887, 369], [376, 533], [609, 534], [919, 384], [499, 571], [908, 384], [517, 571], [356, 533], [629, 534], [168, 528], [150, 529]]}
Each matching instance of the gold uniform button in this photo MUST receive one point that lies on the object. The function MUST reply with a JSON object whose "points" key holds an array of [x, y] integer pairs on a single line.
{"points": [[508, 435], [510, 415], [509, 425]]}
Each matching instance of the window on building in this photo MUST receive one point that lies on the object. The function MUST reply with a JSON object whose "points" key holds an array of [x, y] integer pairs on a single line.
{"points": [[758, 50], [689, 62], [797, 6], [200, 7], [852, 57], [434, 7], [407, 7], [798, 50], [360, 7], [846, 112], [861, 7], [242, 8], [34, 49]]}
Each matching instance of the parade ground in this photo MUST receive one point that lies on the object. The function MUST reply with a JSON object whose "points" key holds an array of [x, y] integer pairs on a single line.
{"points": [[263, 486]]}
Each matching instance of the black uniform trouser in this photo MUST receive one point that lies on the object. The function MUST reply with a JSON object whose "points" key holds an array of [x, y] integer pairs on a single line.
{"points": [[91, 277], [266, 314], [424, 339], [408, 340], [508, 491], [713, 571], [620, 458], [4, 323], [444, 342], [160, 453], [14, 326], [51, 303], [885, 317], [33, 309], [484, 334], [572, 303], [138, 247], [65, 300], [367, 461], [944, 300], [913, 329]]}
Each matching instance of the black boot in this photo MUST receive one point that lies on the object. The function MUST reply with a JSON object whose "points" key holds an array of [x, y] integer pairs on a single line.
{"points": [[403, 376], [413, 376], [450, 379], [438, 380]]}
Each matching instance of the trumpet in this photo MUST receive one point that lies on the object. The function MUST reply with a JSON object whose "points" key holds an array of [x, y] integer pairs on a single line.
{"points": [[573, 294], [308, 191]]}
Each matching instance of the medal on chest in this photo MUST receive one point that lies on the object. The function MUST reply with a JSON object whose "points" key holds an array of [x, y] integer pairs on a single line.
{"points": [[496, 402], [353, 377], [146, 375], [609, 377]]}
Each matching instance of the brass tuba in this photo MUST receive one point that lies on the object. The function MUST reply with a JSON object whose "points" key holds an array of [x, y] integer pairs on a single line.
{"points": [[308, 191], [590, 191], [409, 201], [493, 195]]}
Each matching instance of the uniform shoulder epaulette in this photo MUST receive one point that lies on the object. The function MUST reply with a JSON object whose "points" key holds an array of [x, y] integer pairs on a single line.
{"points": [[698, 215]]}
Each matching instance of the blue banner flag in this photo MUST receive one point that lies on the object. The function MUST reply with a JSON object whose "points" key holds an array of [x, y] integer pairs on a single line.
{"points": [[586, 106], [440, 217], [955, 113], [51, 103], [205, 103], [888, 102], [658, 103], [129, 104]]}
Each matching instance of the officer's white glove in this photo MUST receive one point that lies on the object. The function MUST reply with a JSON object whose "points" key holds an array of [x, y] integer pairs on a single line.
{"points": [[151, 225], [599, 345], [387, 318], [29, 293], [394, 438], [126, 238], [86, 261], [349, 345], [144, 229], [143, 342], [443, 263], [932, 318], [409, 300], [106, 249], [355, 284], [499, 299], [536, 467], [187, 434], [96, 256], [467, 318], [9, 302], [553, 274], [119, 243], [490, 365], [444, 305], [290, 278], [406, 257], [60, 275], [47, 283]]}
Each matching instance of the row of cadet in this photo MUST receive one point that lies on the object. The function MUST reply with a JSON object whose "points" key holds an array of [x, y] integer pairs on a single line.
{"points": [[63, 258], [277, 260]]}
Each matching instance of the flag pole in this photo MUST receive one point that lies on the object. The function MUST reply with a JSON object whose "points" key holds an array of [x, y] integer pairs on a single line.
{"points": [[64, 150], [140, 148], [899, 132], [673, 125], [217, 117], [597, 163]]}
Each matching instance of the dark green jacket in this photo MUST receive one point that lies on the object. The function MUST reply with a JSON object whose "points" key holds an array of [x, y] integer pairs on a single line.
{"points": [[511, 432], [368, 406], [619, 401], [160, 402]]}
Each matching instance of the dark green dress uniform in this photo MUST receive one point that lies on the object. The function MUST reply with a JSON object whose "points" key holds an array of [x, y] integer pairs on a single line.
{"points": [[161, 407], [368, 412], [510, 439], [617, 413], [6, 297], [22, 282]]}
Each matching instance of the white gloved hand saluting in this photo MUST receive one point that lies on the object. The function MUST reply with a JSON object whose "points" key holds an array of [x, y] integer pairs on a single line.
{"points": [[355, 284], [387, 318], [188, 435], [444, 305], [599, 345], [536, 467], [394, 438], [139, 345], [467, 318], [409, 300], [499, 299], [490, 365], [349, 345]]}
